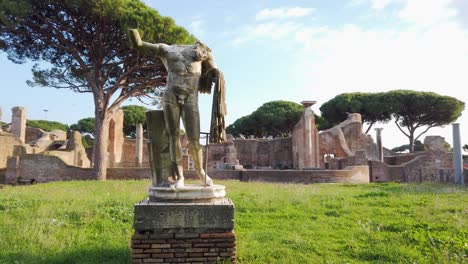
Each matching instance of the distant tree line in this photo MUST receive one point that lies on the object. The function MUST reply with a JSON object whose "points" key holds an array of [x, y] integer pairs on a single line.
{"points": [[410, 110]]}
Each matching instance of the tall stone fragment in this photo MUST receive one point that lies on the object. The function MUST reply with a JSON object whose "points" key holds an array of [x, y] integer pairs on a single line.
{"points": [[116, 138], [139, 145], [306, 140], [457, 155], [379, 144], [18, 122]]}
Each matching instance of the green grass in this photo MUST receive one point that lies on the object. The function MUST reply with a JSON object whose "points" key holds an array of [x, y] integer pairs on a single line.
{"points": [[91, 222]]}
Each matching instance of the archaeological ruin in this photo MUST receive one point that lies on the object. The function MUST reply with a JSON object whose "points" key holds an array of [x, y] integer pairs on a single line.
{"points": [[340, 154]]}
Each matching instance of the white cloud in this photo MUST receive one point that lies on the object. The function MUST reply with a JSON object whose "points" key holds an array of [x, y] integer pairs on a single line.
{"points": [[380, 4], [283, 12], [269, 31], [424, 12], [196, 27]]}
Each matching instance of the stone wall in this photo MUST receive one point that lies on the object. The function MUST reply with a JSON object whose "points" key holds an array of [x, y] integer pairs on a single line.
{"points": [[429, 167], [7, 144], [355, 174], [402, 158], [264, 152], [129, 154], [345, 139]]}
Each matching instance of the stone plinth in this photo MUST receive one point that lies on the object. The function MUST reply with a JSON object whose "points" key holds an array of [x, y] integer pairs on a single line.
{"points": [[186, 193], [184, 232]]}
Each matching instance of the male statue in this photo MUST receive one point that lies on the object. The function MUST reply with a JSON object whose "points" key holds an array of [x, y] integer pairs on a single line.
{"points": [[184, 64]]}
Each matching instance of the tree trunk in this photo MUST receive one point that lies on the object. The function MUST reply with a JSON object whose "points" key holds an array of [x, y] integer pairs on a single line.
{"points": [[411, 142], [100, 152]]}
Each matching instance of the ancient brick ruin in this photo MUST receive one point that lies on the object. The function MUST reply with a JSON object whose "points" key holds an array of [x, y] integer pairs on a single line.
{"points": [[307, 156]]}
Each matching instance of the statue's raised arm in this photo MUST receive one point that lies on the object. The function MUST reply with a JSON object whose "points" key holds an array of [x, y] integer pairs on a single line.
{"points": [[159, 49]]}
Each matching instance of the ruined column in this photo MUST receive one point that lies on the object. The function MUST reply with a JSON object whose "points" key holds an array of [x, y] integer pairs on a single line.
{"points": [[18, 122], [457, 155], [379, 144], [309, 153], [139, 145], [0, 119]]}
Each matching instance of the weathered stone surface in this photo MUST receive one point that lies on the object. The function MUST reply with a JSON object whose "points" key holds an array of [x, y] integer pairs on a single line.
{"points": [[18, 123], [434, 143], [7, 144], [305, 140], [139, 145], [116, 138], [189, 192], [159, 216]]}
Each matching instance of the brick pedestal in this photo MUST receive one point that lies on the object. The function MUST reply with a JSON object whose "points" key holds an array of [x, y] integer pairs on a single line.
{"points": [[184, 232]]}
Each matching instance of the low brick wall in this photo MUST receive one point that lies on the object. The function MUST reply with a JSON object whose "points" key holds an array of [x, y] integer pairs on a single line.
{"points": [[46, 168], [183, 248], [355, 174], [402, 158], [424, 167]]}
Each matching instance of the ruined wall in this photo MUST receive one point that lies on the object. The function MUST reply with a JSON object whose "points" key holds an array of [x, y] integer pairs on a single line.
{"points": [[263, 152], [47, 168], [305, 142], [345, 139], [402, 158], [33, 134], [359, 159], [434, 166], [7, 143], [129, 154]]}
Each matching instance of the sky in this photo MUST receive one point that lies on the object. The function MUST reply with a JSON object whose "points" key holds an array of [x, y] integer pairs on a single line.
{"points": [[298, 50]]}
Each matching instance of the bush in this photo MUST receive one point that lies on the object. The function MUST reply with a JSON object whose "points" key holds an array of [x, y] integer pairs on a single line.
{"points": [[47, 125]]}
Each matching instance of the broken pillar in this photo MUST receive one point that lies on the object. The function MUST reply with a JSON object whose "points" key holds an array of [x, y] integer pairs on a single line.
{"points": [[139, 145], [305, 140], [18, 122], [116, 138], [457, 155], [379, 144]]}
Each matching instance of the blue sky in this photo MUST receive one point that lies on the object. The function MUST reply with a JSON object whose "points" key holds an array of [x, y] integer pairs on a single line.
{"points": [[299, 50]]}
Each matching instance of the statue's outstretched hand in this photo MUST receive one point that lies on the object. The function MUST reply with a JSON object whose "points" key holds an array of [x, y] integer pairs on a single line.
{"points": [[134, 37]]}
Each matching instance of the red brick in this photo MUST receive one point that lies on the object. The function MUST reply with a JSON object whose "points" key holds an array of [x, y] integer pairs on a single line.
{"points": [[227, 254], [141, 246], [163, 255], [137, 250], [195, 254], [161, 236], [226, 245], [219, 240], [186, 245], [140, 256], [196, 259], [175, 260], [173, 250], [196, 250], [140, 236], [151, 260], [136, 261], [160, 245], [203, 245], [152, 250], [155, 241], [187, 235], [217, 235], [210, 254], [136, 241], [179, 255]]}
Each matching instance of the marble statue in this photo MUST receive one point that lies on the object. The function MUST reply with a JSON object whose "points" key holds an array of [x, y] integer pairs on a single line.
{"points": [[191, 69]]}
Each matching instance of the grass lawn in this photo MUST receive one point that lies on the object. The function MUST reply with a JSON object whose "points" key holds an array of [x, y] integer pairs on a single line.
{"points": [[91, 222]]}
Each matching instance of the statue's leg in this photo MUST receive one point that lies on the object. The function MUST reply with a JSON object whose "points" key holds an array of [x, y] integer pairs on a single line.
{"points": [[172, 119], [191, 119]]}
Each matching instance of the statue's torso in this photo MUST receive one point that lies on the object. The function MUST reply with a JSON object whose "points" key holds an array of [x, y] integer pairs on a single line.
{"points": [[183, 71]]}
